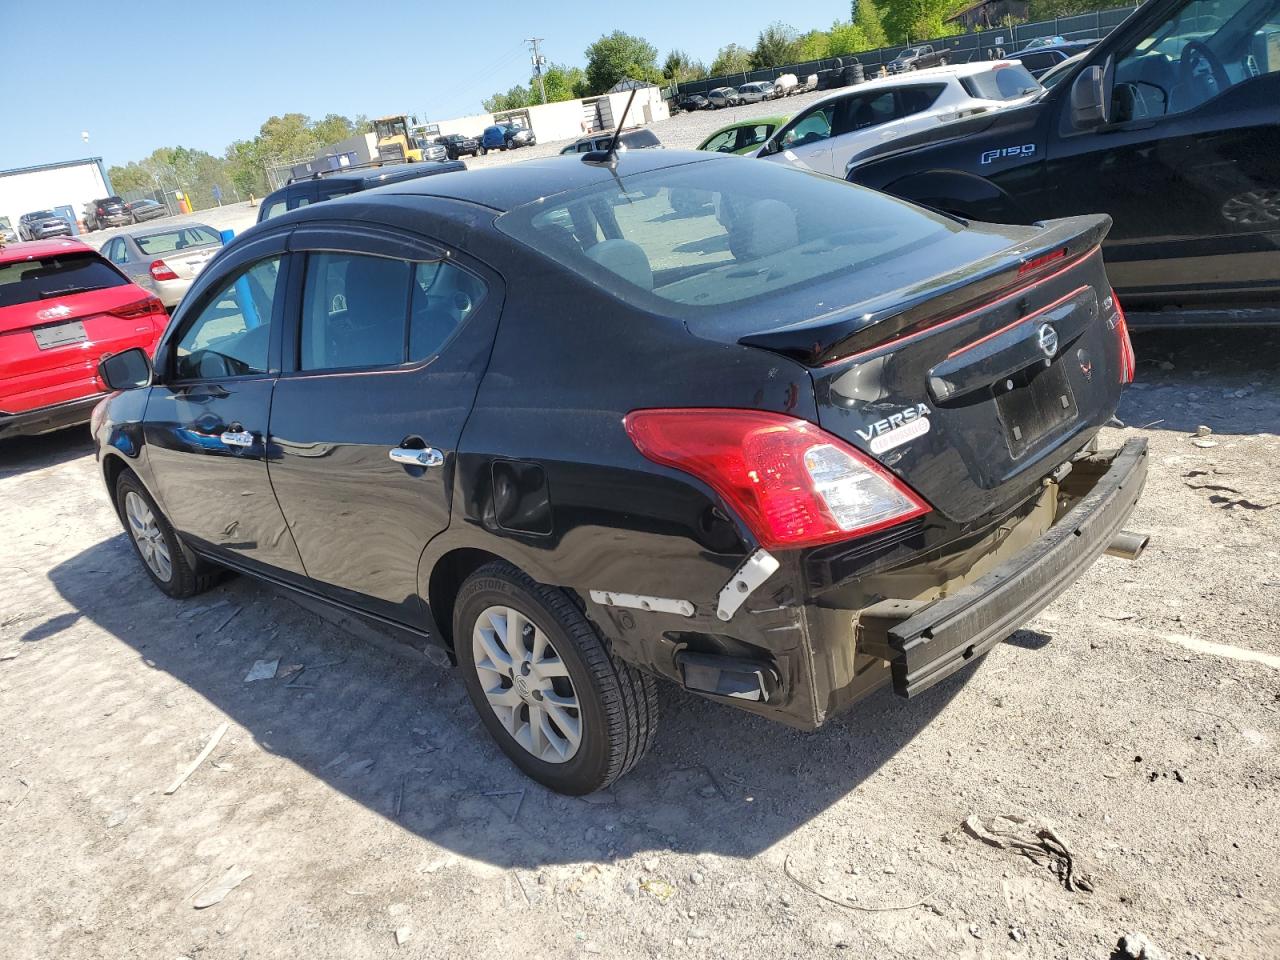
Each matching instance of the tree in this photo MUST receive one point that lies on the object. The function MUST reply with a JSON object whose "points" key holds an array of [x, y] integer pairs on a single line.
{"points": [[513, 99], [867, 18], [333, 129], [814, 45], [731, 59], [775, 47], [847, 38], [620, 56], [906, 20], [681, 68]]}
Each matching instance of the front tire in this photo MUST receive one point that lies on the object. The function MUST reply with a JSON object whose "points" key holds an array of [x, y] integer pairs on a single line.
{"points": [[566, 711], [156, 543]]}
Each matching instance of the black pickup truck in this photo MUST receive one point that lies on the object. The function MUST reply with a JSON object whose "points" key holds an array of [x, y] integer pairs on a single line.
{"points": [[1171, 125]]}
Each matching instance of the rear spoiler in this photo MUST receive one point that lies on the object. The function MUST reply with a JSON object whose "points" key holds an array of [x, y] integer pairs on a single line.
{"points": [[879, 323]]}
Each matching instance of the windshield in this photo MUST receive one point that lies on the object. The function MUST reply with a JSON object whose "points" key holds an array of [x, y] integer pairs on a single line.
{"points": [[25, 281], [42, 215], [909, 52], [768, 240]]}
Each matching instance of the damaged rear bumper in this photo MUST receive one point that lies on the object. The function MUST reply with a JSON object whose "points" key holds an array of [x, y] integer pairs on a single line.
{"points": [[930, 643]]}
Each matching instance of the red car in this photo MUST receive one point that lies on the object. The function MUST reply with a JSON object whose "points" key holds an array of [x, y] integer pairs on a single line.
{"points": [[63, 307]]}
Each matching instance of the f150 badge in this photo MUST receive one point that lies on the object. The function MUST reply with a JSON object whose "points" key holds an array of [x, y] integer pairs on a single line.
{"points": [[897, 428], [991, 156]]}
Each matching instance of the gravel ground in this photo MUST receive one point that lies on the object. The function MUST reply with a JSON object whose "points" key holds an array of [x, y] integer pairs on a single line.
{"points": [[1139, 714]]}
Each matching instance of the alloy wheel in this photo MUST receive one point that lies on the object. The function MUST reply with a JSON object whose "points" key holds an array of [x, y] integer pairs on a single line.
{"points": [[147, 535], [527, 684]]}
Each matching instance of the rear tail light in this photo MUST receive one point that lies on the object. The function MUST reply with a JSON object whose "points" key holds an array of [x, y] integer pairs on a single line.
{"points": [[1042, 261], [138, 309], [1128, 362], [161, 271], [793, 484], [101, 212]]}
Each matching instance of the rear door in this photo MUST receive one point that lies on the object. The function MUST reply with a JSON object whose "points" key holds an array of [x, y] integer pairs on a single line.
{"points": [[207, 415], [383, 361]]}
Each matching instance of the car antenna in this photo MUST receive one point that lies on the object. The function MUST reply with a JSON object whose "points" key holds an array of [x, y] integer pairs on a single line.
{"points": [[609, 157]]}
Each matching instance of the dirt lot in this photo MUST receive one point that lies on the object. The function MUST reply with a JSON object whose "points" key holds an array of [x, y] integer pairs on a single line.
{"points": [[1139, 715]]}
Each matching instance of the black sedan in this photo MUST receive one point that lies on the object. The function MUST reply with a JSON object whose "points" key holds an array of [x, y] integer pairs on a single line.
{"points": [[694, 101], [763, 434]]}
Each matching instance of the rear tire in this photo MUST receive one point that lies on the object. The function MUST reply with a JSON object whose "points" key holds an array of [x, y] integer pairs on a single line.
{"points": [[156, 543], [567, 712]]}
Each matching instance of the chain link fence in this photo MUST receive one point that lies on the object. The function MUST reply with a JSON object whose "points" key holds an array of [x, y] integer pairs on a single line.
{"points": [[963, 48]]}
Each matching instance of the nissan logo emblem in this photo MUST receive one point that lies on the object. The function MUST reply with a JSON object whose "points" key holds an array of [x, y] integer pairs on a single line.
{"points": [[1047, 337]]}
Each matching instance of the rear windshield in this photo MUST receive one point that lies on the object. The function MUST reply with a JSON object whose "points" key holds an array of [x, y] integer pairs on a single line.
{"points": [[154, 244], [639, 138], [1001, 83], [690, 240], [29, 280]]}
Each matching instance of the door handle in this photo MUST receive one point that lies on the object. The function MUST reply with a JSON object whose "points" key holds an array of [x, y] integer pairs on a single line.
{"points": [[426, 457], [237, 438]]}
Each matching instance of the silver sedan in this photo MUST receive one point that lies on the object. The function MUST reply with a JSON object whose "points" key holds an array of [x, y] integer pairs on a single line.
{"points": [[167, 261]]}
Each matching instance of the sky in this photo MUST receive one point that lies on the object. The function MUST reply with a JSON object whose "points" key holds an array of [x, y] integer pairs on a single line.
{"points": [[139, 75]]}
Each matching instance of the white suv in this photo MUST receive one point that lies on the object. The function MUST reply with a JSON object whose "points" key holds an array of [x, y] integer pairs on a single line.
{"points": [[835, 130]]}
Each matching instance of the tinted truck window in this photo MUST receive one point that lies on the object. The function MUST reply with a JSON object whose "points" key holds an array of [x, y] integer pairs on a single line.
{"points": [[1006, 82]]}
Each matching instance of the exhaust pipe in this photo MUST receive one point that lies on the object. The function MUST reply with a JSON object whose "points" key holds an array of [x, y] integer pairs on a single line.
{"points": [[1128, 545]]}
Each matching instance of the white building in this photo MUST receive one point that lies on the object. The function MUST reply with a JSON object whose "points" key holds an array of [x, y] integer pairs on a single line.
{"points": [[63, 187]]}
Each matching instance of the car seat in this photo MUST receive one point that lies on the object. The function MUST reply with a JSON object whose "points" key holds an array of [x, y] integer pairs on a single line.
{"points": [[762, 229], [625, 258]]}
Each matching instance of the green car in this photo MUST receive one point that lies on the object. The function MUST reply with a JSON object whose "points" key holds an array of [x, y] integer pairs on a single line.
{"points": [[745, 136]]}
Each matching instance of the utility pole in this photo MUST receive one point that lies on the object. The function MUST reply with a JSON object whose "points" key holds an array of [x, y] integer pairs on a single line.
{"points": [[538, 61]]}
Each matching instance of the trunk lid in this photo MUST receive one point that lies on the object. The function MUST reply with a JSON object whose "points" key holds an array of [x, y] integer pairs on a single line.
{"points": [[979, 382]]}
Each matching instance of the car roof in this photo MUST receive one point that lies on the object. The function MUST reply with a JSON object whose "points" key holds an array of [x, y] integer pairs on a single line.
{"points": [[509, 186], [34, 249], [918, 77]]}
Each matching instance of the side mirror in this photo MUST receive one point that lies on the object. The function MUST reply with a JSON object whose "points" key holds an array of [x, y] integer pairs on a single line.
{"points": [[126, 370], [1088, 99], [227, 236], [770, 147]]}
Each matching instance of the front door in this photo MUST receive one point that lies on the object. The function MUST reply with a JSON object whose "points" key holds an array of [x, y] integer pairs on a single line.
{"points": [[806, 141], [206, 420], [1189, 164], [381, 370]]}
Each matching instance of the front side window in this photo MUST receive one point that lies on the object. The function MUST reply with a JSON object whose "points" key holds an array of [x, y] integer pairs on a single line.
{"points": [[722, 142], [1204, 48], [812, 127], [230, 336]]}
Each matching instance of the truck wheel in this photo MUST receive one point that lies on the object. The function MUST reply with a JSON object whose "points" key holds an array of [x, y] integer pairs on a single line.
{"points": [[156, 543], [942, 61], [559, 704]]}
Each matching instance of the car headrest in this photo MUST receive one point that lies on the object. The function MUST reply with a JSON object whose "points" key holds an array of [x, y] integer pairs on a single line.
{"points": [[764, 228], [625, 258]]}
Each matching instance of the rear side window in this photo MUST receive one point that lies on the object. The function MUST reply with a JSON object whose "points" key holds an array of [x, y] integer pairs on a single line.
{"points": [[30, 280], [871, 110], [230, 337], [918, 99], [274, 210], [155, 244], [1001, 83], [364, 311]]}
